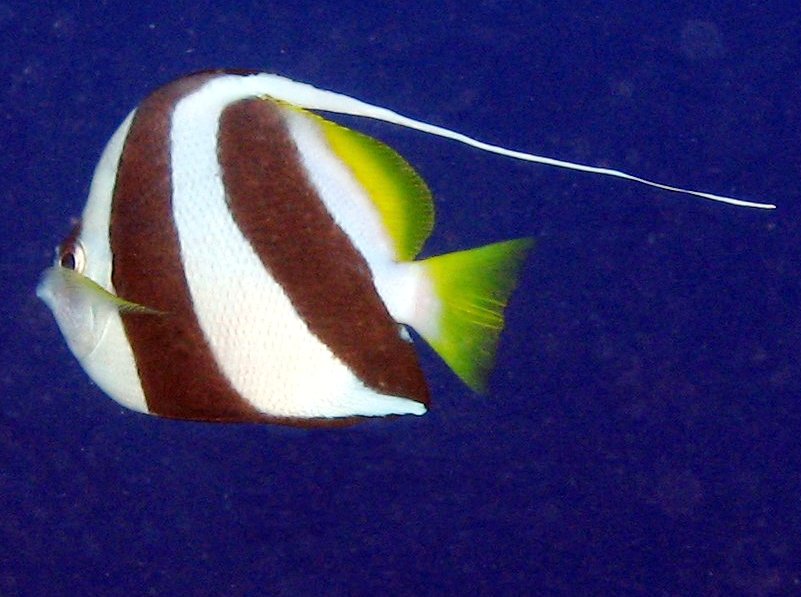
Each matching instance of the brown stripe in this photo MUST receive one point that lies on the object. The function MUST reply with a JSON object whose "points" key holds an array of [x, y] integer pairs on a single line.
{"points": [[327, 279], [179, 375]]}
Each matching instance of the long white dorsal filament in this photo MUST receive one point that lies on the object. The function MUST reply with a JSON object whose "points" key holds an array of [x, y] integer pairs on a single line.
{"points": [[308, 96]]}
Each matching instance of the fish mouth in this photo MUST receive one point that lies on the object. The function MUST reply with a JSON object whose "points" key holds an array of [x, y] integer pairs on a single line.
{"points": [[44, 289]]}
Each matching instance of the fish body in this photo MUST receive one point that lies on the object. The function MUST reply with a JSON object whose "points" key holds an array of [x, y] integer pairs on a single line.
{"points": [[240, 258]]}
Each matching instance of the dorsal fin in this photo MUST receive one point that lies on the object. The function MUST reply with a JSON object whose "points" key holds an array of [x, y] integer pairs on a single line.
{"points": [[399, 194], [313, 98]]}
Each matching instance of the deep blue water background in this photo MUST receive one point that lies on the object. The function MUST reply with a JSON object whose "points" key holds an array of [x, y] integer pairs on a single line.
{"points": [[641, 434]]}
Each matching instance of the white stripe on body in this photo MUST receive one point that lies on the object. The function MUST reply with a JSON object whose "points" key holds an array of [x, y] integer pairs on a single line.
{"points": [[111, 363]]}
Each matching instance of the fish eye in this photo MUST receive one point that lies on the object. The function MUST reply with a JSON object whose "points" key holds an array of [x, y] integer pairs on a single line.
{"points": [[72, 256]]}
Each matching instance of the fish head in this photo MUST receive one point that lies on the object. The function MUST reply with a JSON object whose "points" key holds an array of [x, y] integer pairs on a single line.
{"points": [[75, 295], [78, 286], [78, 290]]}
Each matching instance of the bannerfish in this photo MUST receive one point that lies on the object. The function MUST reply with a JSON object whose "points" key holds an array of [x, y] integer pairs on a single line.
{"points": [[241, 258]]}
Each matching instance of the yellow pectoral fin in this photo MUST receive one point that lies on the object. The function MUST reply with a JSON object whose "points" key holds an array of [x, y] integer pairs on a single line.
{"points": [[82, 307], [76, 282]]}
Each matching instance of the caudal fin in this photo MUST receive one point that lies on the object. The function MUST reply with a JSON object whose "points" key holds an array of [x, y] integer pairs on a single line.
{"points": [[472, 287]]}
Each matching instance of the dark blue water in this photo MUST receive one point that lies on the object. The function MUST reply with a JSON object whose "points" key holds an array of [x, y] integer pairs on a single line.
{"points": [[641, 434]]}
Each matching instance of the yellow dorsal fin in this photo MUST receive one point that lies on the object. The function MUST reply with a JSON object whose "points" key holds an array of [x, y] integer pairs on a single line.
{"points": [[398, 193]]}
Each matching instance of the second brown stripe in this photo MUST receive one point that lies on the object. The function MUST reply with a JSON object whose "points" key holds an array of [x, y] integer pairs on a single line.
{"points": [[328, 281]]}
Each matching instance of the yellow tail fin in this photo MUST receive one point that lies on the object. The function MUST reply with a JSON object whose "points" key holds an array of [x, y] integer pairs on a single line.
{"points": [[473, 287]]}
